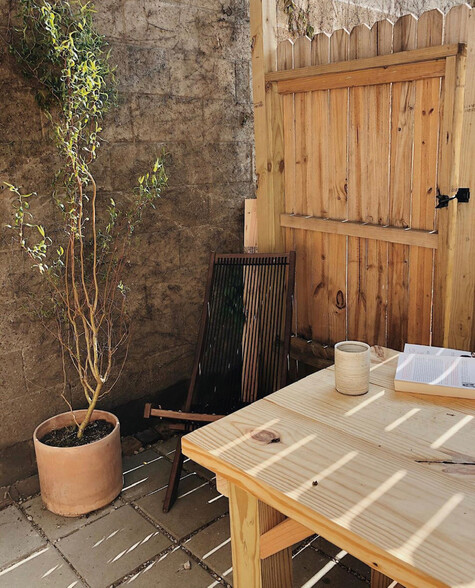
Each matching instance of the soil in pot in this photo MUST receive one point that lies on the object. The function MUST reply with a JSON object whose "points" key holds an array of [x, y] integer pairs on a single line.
{"points": [[67, 436]]}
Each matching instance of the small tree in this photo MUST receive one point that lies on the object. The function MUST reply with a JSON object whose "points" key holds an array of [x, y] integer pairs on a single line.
{"points": [[58, 48]]}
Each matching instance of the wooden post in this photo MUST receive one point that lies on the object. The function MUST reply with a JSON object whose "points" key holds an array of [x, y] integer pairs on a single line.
{"points": [[379, 580], [268, 130], [447, 278], [460, 26], [250, 225], [250, 519]]}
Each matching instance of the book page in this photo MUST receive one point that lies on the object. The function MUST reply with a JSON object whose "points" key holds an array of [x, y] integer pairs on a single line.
{"points": [[440, 370], [426, 350]]}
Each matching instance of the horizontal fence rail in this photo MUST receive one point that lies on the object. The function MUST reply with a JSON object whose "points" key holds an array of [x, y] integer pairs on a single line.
{"points": [[388, 234], [381, 61], [366, 77]]}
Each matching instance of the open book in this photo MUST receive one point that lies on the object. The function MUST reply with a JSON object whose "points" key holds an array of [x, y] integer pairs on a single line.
{"points": [[435, 370]]}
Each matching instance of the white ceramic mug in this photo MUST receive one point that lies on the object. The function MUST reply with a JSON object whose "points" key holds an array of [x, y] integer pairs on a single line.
{"points": [[352, 367]]}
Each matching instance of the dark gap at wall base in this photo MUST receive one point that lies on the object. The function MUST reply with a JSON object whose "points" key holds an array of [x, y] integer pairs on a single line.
{"points": [[17, 461]]}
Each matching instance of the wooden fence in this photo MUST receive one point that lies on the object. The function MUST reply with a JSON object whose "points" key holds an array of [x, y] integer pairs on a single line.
{"points": [[356, 135]]}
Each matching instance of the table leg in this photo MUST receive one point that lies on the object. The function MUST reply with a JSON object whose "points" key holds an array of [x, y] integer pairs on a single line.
{"points": [[379, 580], [251, 518]]}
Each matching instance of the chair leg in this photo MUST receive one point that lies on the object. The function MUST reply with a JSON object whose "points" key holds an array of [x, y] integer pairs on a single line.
{"points": [[175, 473]]}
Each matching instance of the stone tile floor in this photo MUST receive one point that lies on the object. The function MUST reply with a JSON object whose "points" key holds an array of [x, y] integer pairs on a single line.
{"points": [[132, 542]]}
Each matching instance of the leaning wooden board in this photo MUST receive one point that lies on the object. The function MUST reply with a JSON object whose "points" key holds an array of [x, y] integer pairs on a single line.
{"points": [[395, 485]]}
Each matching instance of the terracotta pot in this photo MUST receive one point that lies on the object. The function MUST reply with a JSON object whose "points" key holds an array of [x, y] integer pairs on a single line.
{"points": [[78, 480]]}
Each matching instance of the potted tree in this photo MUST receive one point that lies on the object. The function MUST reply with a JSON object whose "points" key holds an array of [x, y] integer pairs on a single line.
{"points": [[81, 258]]}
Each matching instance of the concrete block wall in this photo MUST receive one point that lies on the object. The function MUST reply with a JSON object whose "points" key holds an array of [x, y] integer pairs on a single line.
{"points": [[184, 84]]}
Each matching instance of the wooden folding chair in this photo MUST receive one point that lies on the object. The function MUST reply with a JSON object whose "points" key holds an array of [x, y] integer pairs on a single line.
{"points": [[243, 343]]}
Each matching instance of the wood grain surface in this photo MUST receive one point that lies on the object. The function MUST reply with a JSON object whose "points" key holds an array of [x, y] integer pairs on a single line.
{"points": [[368, 139], [395, 485]]}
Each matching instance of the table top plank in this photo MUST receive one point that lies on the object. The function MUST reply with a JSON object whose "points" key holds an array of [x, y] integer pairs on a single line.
{"points": [[408, 424], [411, 521]]}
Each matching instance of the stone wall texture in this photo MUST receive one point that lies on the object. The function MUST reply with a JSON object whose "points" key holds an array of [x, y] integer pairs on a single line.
{"points": [[184, 84]]}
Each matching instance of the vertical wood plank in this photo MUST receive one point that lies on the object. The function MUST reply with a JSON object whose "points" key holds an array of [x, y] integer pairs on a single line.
{"points": [[337, 200], [318, 189], [275, 204], [250, 329], [405, 34], [384, 31], [456, 24], [285, 60], [303, 109], [250, 225], [360, 46], [249, 519], [448, 178], [402, 134], [460, 27], [243, 514], [368, 196], [426, 130], [429, 28], [276, 569], [378, 204], [264, 48]]}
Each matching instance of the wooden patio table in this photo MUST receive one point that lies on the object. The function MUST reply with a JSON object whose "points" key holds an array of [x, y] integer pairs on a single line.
{"points": [[388, 477]]}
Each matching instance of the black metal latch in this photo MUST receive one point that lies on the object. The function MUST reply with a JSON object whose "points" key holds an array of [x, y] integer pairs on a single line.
{"points": [[462, 195]]}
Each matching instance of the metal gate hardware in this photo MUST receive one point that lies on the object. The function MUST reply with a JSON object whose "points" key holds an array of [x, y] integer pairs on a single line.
{"points": [[462, 195]]}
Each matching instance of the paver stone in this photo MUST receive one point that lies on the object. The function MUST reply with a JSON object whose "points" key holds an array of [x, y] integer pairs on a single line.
{"points": [[42, 569], [18, 538], [144, 473], [56, 526], [213, 546], [111, 547], [169, 572], [198, 503]]}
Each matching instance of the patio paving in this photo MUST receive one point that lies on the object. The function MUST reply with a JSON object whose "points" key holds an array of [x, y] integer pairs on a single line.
{"points": [[133, 543]]}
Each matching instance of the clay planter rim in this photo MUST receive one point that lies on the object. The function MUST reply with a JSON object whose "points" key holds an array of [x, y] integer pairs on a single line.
{"points": [[80, 414], [78, 480]]}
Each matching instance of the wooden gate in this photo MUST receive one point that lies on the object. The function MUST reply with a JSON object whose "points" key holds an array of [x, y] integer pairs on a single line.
{"points": [[363, 131]]}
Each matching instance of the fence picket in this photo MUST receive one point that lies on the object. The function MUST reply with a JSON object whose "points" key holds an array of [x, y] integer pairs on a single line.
{"points": [[456, 24], [318, 181], [366, 298], [377, 205], [285, 59], [460, 27], [453, 88], [303, 108], [405, 33], [338, 187], [426, 130], [402, 132]]}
